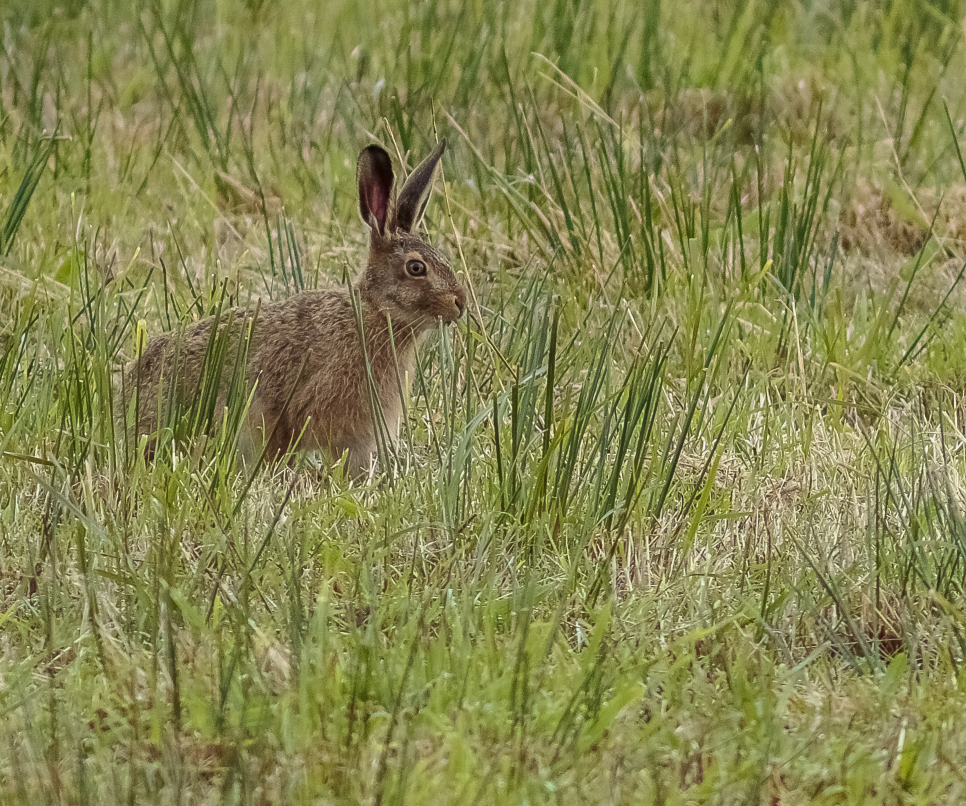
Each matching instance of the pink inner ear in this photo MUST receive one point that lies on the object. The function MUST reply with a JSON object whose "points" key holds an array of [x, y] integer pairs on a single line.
{"points": [[375, 187], [378, 204]]}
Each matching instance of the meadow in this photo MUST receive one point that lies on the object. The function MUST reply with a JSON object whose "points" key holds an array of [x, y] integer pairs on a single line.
{"points": [[678, 514]]}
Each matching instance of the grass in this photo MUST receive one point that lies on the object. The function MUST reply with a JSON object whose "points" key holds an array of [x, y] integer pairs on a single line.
{"points": [[678, 512]]}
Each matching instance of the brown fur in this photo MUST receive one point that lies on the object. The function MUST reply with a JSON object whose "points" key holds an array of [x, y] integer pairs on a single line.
{"points": [[325, 371]]}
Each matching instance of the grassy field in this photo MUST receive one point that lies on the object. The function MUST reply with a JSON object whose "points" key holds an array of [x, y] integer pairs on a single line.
{"points": [[678, 514]]}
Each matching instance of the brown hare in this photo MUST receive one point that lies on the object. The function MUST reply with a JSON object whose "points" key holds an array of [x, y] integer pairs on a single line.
{"points": [[325, 369]]}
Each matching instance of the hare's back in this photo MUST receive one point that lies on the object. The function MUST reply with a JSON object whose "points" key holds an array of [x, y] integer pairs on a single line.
{"points": [[314, 326]]}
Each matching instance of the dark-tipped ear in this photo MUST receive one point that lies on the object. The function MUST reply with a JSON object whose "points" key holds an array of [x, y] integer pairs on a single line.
{"points": [[415, 193], [374, 172]]}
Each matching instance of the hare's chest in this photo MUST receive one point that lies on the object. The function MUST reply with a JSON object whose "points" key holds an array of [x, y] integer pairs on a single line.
{"points": [[390, 389]]}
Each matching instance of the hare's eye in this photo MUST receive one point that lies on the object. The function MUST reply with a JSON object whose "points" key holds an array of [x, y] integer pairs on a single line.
{"points": [[416, 268]]}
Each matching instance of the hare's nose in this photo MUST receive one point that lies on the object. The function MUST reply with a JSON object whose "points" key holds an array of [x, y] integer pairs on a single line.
{"points": [[459, 299]]}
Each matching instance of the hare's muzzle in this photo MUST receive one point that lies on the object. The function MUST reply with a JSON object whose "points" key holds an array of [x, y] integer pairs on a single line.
{"points": [[459, 304], [450, 304]]}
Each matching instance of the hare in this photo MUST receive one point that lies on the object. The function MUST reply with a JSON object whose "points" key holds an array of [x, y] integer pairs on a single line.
{"points": [[325, 370]]}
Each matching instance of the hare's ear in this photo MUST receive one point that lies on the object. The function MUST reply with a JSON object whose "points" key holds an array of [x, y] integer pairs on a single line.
{"points": [[415, 193], [374, 172]]}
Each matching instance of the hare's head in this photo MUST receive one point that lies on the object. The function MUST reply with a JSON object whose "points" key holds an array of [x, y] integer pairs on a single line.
{"points": [[406, 278]]}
